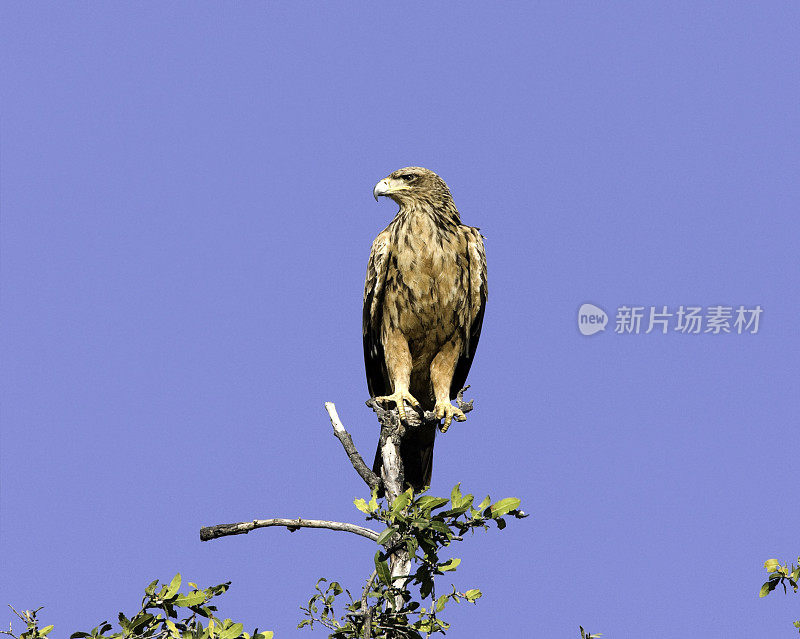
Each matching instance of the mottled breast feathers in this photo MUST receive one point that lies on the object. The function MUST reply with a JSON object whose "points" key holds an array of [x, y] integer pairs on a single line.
{"points": [[434, 268]]}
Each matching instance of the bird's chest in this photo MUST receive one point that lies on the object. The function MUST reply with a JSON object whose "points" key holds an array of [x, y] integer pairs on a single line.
{"points": [[427, 272]]}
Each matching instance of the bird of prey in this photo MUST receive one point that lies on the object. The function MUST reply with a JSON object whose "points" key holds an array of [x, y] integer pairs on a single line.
{"points": [[424, 300]]}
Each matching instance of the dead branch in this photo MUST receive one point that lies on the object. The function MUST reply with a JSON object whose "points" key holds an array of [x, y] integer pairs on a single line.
{"points": [[391, 479], [371, 479], [366, 610], [208, 533]]}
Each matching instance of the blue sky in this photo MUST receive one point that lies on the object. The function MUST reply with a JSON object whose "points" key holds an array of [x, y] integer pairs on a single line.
{"points": [[186, 218]]}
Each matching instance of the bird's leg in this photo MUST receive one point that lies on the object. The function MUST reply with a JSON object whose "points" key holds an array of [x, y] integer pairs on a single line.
{"points": [[443, 368], [398, 365]]}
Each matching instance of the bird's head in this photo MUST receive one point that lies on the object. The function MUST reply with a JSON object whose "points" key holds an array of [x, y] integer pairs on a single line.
{"points": [[413, 185]]}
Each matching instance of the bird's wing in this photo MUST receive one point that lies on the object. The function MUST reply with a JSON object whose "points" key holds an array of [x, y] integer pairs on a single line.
{"points": [[374, 360], [477, 306]]}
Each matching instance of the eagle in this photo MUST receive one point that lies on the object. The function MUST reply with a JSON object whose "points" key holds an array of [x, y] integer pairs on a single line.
{"points": [[424, 301]]}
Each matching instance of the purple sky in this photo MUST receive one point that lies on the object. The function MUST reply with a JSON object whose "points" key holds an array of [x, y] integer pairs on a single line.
{"points": [[186, 218]]}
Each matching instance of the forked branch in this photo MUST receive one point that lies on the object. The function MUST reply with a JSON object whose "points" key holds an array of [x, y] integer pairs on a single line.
{"points": [[208, 533]]}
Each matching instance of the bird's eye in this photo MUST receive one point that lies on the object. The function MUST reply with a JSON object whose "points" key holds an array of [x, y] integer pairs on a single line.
{"points": [[407, 177]]}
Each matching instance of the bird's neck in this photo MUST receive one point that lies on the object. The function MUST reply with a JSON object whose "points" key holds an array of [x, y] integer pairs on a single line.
{"points": [[441, 214]]}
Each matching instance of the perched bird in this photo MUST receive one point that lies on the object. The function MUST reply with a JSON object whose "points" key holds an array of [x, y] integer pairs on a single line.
{"points": [[424, 300]]}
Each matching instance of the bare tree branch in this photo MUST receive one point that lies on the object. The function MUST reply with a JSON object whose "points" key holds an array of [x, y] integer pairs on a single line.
{"points": [[392, 431], [208, 533], [371, 479], [366, 610]]}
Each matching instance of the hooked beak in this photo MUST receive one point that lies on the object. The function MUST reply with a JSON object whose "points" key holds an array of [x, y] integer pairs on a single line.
{"points": [[381, 188], [387, 186]]}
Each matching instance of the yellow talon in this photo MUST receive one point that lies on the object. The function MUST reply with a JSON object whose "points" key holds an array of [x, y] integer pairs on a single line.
{"points": [[398, 398], [447, 411]]}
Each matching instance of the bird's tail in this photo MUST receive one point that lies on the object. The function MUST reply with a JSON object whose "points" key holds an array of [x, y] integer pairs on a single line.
{"points": [[416, 452]]}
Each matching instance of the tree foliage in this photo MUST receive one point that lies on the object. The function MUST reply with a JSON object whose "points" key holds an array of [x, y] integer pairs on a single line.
{"points": [[408, 605], [422, 525], [786, 575], [158, 618]]}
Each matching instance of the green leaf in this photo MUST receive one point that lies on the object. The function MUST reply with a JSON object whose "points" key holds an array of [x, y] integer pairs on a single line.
{"points": [[441, 602], [191, 599], [361, 504], [425, 587], [429, 502], [767, 588], [504, 506], [373, 500], [450, 565], [401, 501], [424, 625], [455, 495], [232, 632], [473, 595], [771, 564], [43, 632], [151, 589], [382, 568], [173, 587], [139, 621], [455, 512], [440, 526], [385, 535]]}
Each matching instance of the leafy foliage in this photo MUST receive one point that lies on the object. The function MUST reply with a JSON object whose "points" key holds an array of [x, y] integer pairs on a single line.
{"points": [[781, 575], [422, 526], [158, 618], [32, 630]]}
